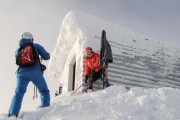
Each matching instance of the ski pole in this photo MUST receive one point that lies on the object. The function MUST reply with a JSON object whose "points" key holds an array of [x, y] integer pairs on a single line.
{"points": [[89, 85], [34, 93], [90, 80], [76, 89]]}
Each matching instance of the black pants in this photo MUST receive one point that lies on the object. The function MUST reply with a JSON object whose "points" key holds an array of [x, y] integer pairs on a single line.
{"points": [[95, 77]]}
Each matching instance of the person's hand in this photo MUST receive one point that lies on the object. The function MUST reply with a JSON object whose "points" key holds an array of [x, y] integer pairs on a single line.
{"points": [[86, 78], [93, 71]]}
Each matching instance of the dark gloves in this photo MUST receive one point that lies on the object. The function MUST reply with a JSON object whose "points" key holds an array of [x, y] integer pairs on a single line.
{"points": [[43, 67], [92, 71], [86, 78]]}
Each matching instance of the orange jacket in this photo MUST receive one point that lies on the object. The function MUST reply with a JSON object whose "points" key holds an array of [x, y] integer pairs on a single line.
{"points": [[92, 62]]}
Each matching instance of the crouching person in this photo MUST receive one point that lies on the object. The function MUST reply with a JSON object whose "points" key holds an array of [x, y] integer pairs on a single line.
{"points": [[93, 71]]}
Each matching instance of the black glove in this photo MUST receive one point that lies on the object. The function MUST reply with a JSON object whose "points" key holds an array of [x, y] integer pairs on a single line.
{"points": [[93, 71], [86, 78], [43, 67]]}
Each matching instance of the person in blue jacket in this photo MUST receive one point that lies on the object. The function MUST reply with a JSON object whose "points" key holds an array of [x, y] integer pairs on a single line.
{"points": [[27, 74]]}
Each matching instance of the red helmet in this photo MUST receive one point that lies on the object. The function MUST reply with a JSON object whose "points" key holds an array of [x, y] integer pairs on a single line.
{"points": [[88, 49]]}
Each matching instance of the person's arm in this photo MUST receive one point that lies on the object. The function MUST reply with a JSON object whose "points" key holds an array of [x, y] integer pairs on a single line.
{"points": [[87, 69], [42, 52], [96, 64]]}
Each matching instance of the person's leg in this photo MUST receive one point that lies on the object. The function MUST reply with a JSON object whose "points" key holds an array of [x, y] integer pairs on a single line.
{"points": [[39, 81], [106, 83], [94, 78], [97, 75], [16, 102]]}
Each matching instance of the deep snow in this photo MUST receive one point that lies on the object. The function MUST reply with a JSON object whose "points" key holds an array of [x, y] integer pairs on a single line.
{"points": [[113, 103]]}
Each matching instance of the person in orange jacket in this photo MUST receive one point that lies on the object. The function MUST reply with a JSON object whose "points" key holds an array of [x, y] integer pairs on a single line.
{"points": [[92, 68]]}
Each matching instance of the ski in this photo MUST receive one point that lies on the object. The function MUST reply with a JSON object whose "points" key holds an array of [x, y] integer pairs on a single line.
{"points": [[105, 56]]}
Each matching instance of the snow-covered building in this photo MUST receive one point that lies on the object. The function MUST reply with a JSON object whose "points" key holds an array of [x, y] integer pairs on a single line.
{"points": [[138, 60]]}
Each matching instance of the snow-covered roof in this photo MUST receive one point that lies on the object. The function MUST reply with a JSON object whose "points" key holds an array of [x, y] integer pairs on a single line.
{"points": [[138, 60]]}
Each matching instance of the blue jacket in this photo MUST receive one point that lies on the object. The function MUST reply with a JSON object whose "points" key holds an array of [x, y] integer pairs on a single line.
{"points": [[39, 50]]}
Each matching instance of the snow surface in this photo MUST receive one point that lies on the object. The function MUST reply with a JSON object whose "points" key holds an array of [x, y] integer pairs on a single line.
{"points": [[113, 103]]}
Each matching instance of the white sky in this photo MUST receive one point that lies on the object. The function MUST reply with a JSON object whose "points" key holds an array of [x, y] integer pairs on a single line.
{"points": [[155, 18]]}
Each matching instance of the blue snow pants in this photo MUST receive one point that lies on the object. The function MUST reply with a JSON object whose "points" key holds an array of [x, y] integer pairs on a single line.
{"points": [[23, 79]]}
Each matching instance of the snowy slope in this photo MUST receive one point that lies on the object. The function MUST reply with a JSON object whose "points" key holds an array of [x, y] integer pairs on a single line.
{"points": [[114, 103], [138, 60]]}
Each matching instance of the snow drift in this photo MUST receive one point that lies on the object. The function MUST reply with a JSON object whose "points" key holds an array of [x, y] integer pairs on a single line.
{"points": [[114, 103]]}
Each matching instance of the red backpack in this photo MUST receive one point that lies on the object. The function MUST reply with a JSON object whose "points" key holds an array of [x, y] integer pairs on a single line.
{"points": [[26, 56]]}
